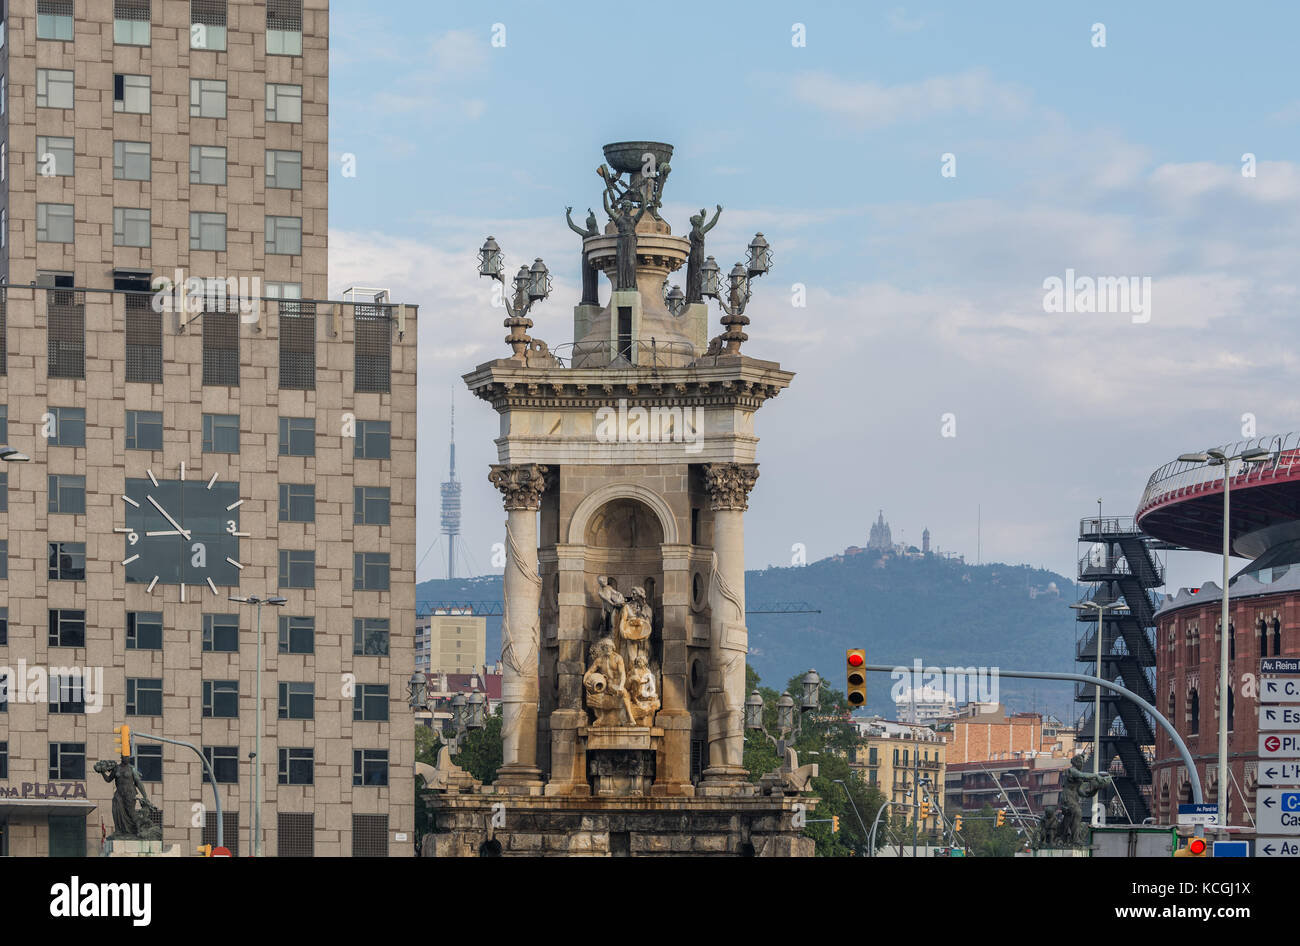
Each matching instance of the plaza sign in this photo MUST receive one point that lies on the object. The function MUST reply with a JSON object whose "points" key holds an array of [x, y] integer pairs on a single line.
{"points": [[1279, 745], [1277, 811], [1279, 773]]}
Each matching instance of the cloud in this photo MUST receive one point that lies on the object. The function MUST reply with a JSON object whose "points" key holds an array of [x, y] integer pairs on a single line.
{"points": [[872, 105], [899, 23]]}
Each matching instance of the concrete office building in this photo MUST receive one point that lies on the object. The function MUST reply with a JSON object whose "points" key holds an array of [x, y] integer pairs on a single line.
{"points": [[452, 640], [232, 443]]}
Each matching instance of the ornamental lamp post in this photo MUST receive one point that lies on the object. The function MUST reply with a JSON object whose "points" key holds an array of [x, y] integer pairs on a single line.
{"points": [[812, 683], [489, 259], [710, 282], [539, 282], [760, 256], [418, 687], [477, 706], [754, 712], [257, 743]]}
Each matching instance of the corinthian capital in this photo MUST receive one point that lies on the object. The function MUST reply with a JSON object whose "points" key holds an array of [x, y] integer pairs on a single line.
{"points": [[522, 486], [729, 484]]}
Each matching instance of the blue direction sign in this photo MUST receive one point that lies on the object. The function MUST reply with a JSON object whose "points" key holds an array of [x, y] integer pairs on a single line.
{"points": [[1279, 718], [1198, 814], [1272, 772], [1277, 847], [1279, 665], [1231, 849], [1279, 689], [1279, 745], [1277, 811]]}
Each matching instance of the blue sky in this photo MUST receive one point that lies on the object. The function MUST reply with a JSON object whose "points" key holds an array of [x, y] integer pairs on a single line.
{"points": [[925, 292]]}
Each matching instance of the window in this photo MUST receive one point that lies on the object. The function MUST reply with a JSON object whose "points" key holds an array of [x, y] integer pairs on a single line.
{"points": [[208, 24], [373, 348], [67, 561], [67, 693], [144, 630], [297, 568], [221, 699], [297, 437], [130, 226], [220, 433], [297, 700], [221, 348], [208, 232], [225, 769], [67, 494], [207, 98], [284, 169], [67, 427], [284, 235], [298, 346], [370, 637], [282, 290], [67, 628], [284, 27], [4, 626], [221, 633], [131, 94], [370, 702], [55, 157], [54, 88], [131, 160], [148, 762], [54, 19], [54, 223], [283, 103], [207, 165], [296, 766], [370, 505], [373, 440], [144, 696], [144, 430], [370, 571], [297, 503], [369, 766], [297, 635], [68, 762], [131, 22]]}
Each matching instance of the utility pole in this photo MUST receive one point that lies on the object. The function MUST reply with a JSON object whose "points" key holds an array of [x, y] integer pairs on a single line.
{"points": [[916, 792]]}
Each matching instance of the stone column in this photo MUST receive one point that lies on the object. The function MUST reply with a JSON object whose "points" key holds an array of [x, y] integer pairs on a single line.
{"points": [[522, 487], [729, 485]]}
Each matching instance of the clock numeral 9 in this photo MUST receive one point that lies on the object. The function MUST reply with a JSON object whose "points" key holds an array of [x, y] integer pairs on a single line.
{"points": [[133, 537]]}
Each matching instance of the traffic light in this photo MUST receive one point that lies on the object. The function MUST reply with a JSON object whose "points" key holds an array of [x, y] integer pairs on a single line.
{"points": [[122, 740], [1002, 818], [856, 659], [956, 823], [205, 850], [835, 824], [1195, 847], [925, 810]]}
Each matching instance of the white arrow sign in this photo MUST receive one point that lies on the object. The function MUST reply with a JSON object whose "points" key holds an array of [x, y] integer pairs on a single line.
{"points": [[1277, 811], [1279, 690], [1279, 718], [1279, 745], [1277, 847], [1279, 773]]}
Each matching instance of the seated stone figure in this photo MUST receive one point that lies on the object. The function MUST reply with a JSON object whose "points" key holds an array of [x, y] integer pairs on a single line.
{"points": [[605, 683], [645, 698]]}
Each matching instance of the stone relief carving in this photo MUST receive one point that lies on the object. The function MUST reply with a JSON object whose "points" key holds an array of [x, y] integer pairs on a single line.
{"points": [[729, 484]]}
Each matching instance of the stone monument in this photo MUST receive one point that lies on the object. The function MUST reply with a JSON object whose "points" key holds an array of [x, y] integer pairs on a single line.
{"points": [[625, 463]]}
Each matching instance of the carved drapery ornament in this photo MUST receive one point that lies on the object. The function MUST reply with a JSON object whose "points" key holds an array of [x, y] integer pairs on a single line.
{"points": [[729, 484], [521, 486]]}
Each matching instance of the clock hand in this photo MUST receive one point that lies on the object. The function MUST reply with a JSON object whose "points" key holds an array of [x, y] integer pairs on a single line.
{"points": [[167, 516], [164, 532]]}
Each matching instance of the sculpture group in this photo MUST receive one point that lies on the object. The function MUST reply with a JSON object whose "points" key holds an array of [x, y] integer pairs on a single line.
{"points": [[620, 685], [1062, 826], [128, 822]]}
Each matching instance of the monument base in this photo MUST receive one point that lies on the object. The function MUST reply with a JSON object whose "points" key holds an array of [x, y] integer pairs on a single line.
{"points": [[128, 847], [484, 825]]}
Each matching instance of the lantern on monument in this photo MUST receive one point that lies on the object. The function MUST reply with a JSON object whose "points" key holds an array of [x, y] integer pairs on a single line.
{"points": [[458, 712], [710, 283], [785, 713], [489, 259], [760, 256], [811, 684], [539, 281], [675, 300], [754, 712], [738, 280], [418, 688], [477, 706]]}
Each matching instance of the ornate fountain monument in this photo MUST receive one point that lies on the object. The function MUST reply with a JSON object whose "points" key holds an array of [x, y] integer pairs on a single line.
{"points": [[626, 461]]}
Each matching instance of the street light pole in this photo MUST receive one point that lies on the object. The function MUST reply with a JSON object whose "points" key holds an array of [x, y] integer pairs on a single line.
{"points": [[257, 744], [1101, 610]]}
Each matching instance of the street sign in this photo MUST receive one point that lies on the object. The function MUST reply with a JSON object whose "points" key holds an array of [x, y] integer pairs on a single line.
{"points": [[1279, 745], [1279, 689], [1277, 811], [1230, 849], [1279, 773], [1198, 814], [1279, 718], [1268, 665], [1277, 847]]}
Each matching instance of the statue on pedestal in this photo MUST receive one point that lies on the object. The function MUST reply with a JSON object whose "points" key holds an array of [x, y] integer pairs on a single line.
{"points": [[625, 222], [645, 696], [128, 824], [589, 292], [606, 685], [632, 629], [695, 261], [1062, 826]]}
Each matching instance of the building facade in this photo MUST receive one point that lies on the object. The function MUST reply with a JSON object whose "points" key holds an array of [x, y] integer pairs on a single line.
{"points": [[894, 757], [187, 447], [450, 641]]}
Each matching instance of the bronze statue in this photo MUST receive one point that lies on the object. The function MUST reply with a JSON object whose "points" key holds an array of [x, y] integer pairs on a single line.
{"points": [[1062, 826], [626, 223], [695, 262], [128, 824], [589, 296]]}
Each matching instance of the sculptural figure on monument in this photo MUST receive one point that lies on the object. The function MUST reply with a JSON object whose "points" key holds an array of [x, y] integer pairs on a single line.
{"points": [[606, 684], [611, 600], [589, 288], [625, 222], [635, 622], [695, 261], [128, 824], [645, 693]]}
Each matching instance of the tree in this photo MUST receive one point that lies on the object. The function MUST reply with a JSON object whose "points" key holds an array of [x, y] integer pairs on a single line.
{"points": [[480, 750]]}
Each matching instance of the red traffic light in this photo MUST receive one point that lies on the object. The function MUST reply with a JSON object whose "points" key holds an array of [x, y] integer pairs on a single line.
{"points": [[1196, 845], [855, 659]]}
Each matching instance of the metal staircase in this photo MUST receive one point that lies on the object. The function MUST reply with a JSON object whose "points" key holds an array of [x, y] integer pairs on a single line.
{"points": [[1120, 565]]}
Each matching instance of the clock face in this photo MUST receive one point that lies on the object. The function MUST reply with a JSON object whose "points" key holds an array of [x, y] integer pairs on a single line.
{"points": [[182, 532]]}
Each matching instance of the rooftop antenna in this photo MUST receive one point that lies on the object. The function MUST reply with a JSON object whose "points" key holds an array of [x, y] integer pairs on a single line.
{"points": [[451, 499]]}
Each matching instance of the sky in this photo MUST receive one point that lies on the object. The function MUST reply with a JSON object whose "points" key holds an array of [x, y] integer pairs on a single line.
{"points": [[922, 170]]}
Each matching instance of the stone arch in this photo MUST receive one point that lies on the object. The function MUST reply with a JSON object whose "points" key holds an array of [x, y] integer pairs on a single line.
{"points": [[612, 491]]}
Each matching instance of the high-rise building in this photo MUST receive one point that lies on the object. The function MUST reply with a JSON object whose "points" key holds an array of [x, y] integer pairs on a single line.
{"points": [[191, 447], [450, 640]]}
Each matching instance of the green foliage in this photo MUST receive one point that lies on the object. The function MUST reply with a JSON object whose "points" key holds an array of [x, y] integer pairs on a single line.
{"points": [[426, 745], [480, 750], [983, 838]]}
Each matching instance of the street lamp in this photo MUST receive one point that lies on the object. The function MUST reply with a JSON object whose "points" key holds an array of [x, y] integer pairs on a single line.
{"points": [[257, 744], [812, 683], [418, 686], [532, 285], [1101, 610], [1218, 457], [11, 455]]}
